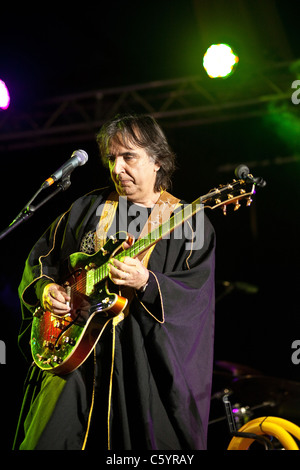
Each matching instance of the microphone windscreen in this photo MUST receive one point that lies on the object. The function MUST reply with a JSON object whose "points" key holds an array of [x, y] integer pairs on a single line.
{"points": [[242, 171]]}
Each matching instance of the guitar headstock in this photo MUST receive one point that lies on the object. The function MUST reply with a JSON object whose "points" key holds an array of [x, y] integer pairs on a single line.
{"points": [[232, 193]]}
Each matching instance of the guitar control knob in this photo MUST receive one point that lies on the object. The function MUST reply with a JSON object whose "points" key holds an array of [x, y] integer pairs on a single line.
{"points": [[70, 341], [56, 359]]}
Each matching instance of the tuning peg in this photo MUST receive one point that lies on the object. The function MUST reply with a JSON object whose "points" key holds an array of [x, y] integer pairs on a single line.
{"points": [[237, 206], [249, 200], [224, 208]]}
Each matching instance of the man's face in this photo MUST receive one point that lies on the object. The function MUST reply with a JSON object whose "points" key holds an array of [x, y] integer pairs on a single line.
{"points": [[133, 173]]}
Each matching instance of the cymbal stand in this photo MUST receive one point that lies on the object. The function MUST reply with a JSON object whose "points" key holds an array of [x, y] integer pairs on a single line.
{"points": [[235, 433]]}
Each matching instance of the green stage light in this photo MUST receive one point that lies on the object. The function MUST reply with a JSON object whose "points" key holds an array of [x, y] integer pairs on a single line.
{"points": [[219, 60]]}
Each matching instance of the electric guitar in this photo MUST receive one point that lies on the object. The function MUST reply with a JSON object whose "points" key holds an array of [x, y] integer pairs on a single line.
{"points": [[60, 344]]}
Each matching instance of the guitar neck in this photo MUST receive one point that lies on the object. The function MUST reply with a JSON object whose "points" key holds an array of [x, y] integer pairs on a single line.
{"points": [[154, 236], [169, 226], [162, 230], [217, 197]]}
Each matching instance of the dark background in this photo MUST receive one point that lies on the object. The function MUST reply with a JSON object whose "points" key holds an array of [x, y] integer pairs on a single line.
{"points": [[52, 50]]}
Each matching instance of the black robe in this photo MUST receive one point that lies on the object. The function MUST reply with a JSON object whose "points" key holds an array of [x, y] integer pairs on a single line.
{"points": [[149, 384]]}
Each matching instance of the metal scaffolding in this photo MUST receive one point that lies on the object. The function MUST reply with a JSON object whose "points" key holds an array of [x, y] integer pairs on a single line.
{"points": [[177, 102]]}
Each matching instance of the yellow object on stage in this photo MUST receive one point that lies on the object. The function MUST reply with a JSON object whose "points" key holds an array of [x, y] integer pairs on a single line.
{"points": [[284, 431]]}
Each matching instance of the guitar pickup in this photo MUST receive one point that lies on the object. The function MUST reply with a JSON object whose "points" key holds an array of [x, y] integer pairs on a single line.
{"points": [[56, 359]]}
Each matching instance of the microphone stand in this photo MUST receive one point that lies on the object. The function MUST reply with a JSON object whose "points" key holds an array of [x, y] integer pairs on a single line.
{"points": [[29, 209]]}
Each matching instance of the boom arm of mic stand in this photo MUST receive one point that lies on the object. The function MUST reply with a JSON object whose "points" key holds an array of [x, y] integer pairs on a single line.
{"points": [[29, 209]]}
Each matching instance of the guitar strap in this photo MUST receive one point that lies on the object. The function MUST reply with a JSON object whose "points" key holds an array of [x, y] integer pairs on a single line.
{"points": [[161, 212], [106, 219]]}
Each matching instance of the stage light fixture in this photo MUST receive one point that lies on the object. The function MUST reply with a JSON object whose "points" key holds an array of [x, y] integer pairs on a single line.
{"points": [[219, 61], [4, 95]]}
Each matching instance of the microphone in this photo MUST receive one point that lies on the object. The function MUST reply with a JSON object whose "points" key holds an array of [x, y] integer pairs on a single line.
{"points": [[78, 158], [243, 172]]}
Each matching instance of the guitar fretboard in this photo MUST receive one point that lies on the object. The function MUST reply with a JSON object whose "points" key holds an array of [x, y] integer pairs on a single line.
{"points": [[152, 237]]}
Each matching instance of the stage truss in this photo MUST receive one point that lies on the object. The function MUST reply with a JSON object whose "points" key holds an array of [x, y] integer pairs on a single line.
{"points": [[180, 102]]}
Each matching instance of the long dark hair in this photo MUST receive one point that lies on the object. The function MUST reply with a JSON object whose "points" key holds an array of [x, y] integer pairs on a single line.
{"points": [[142, 131]]}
